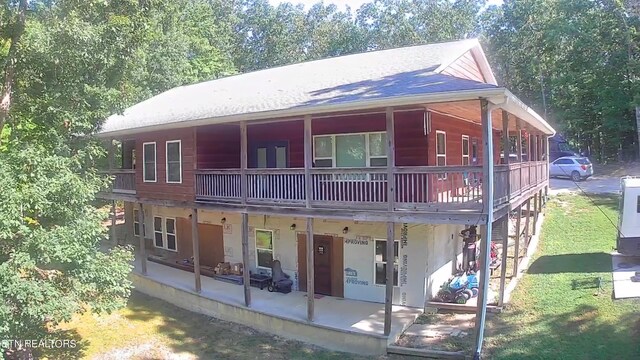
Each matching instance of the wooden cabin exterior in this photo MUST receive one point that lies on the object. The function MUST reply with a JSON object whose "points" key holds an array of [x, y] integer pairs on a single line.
{"points": [[332, 187]]}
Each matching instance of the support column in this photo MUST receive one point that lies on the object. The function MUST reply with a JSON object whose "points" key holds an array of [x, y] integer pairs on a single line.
{"points": [[536, 207], [526, 225], [506, 145], [503, 264], [143, 247], [243, 162], [308, 160], [519, 135], [516, 249], [391, 159], [195, 238], [389, 276], [487, 200], [112, 231], [245, 259], [310, 270]]}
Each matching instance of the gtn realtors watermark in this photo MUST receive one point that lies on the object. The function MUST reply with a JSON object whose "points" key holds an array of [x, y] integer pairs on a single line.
{"points": [[37, 343]]}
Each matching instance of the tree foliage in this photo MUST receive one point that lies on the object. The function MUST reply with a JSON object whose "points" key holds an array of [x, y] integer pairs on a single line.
{"points": [[69, 64]]}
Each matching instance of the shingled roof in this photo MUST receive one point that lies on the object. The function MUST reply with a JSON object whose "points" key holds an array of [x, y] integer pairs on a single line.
{"points": [[309, 87]]}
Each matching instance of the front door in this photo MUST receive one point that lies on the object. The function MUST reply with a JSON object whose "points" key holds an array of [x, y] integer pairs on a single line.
{"points": [[322, 264], [270, 154]]}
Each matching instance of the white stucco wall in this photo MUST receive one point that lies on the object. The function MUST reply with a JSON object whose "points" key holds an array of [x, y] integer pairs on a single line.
{"points": [[427, 253]]}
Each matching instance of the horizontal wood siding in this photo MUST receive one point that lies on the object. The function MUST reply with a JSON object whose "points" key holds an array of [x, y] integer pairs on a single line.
{"points": [[218, 146], [290, 132], [465, 67], [160, 189]]}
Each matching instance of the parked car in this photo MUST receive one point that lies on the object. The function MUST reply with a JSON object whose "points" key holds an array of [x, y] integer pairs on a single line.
{"points": [[575, 168]]}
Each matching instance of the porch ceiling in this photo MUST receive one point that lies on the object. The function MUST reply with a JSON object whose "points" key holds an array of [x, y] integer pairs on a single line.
{"points": [[470, 110]]}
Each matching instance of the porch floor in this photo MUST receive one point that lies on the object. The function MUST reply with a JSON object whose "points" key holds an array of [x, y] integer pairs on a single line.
{"points": [[343, 315]]}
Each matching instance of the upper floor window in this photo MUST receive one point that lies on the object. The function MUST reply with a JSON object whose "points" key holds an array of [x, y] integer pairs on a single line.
{"points": [[350, 150], [174, 161], [465, 150], [149, 167], [441, 148]]}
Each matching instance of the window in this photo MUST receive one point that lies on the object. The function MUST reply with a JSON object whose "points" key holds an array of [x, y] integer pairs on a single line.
{"points": [[638, 205], [465, 150], [149, 168], [564, 162], [381, 262], [441, 148], [264, 248], [441, 151], [350, 150], [136, 224], [174, 161], [583, 161], [164, 233]]}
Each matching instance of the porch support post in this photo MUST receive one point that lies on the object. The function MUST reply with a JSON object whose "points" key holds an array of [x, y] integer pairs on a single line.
{"points": [[487, 200], [143, 248], [391, 159], [111, 154], [308, 159], [310, 270], [195, 237], [389, 277], [516, 248], [243, 162], [112, 231], [526, 225], [519, 135], [536, 207], [505, 224], [245, 259]]}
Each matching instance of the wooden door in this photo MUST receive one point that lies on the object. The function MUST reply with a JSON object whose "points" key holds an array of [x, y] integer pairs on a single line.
{"points": [[322, 264], [211, 244]]}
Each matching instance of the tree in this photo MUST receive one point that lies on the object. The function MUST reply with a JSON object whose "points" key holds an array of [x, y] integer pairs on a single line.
{"points": [[75, 63]]}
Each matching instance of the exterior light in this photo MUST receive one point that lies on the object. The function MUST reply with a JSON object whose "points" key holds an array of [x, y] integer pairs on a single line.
{"points": [[223, 220], [292, 227], [345, 230]]}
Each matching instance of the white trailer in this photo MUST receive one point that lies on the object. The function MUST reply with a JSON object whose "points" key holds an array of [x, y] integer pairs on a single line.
{"points": [[628, 242]]}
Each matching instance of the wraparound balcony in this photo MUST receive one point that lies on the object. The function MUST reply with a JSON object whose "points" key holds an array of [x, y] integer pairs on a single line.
{"points": [[419, 188]]}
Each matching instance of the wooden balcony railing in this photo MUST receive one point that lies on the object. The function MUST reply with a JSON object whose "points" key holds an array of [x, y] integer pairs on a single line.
{"points": [[426, 188], [124, 180]]}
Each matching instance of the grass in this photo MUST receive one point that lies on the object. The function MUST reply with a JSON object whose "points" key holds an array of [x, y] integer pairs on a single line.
{"points": [[558, 310], [149, 328]]}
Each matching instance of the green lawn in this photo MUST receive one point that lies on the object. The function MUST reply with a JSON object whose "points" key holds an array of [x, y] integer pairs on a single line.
{"points": [[558, 311], [149, 328]]}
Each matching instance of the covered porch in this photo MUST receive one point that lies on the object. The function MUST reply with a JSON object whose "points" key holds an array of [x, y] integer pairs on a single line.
{"points": [[339, 324]]}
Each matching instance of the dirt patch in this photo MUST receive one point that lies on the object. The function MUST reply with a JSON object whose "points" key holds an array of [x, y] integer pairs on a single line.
{"points": [[444, 331]]}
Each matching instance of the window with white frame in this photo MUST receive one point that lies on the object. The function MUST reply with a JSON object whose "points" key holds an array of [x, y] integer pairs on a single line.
{"points": [[264, 248], [381, 261], [441, 151], [174, 161], [164, 233], [350, 150], [136, 223], [465, 150], [149, 167]]}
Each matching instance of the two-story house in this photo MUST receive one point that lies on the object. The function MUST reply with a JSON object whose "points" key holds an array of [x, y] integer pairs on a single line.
{"points": [[356, 172]]}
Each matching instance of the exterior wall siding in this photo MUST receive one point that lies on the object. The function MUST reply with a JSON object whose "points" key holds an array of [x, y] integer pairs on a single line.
{"points": [[160, 189], [423, 249]]}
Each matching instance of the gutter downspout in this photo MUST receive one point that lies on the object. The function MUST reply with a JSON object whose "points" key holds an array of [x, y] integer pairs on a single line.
{"points": [[487, 128]]}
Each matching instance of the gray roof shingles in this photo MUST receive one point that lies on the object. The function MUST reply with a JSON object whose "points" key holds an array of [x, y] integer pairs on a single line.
{"points": [[352, 78]]}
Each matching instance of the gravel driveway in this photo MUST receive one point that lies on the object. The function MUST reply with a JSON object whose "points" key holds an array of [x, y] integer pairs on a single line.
{"points": [[593, 185]]}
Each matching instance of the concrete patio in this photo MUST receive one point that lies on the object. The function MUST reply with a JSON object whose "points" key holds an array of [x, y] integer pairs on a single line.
{"points": [[339, 324]]}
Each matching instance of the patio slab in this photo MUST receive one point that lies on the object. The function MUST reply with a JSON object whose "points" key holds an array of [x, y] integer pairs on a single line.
{"points": [[339, 324]]}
